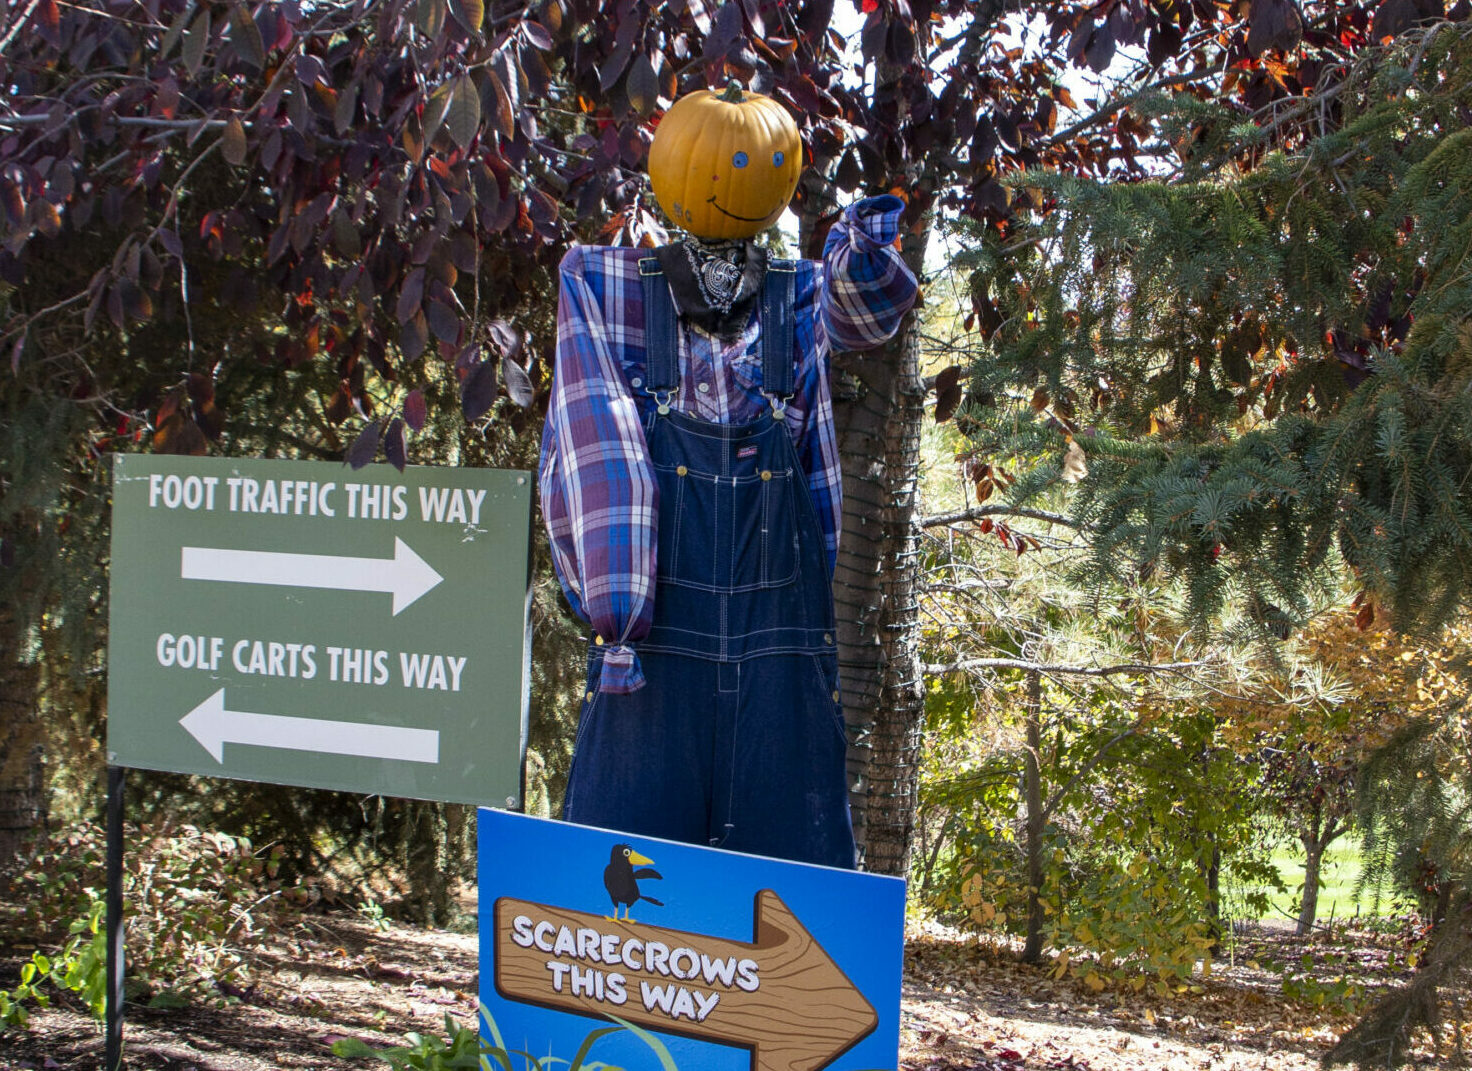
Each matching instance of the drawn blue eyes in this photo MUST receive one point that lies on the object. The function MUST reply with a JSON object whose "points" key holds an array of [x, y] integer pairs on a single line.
{"points": [[741, 160]]}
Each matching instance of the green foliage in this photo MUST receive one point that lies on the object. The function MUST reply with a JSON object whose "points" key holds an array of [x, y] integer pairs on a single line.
{"points": [[1146, 813], [371, 912], [1415, 814], [464, 1047], [198, 904], [1139, 817], [1266, 358], [1301, 982], [461, 1048], [80, 968], [13, 1013], [1418, 825]]}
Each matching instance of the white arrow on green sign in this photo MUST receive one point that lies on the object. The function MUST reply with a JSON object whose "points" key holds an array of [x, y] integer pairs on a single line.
{"points": [[250, 635], [406, 575], [214, 726]]}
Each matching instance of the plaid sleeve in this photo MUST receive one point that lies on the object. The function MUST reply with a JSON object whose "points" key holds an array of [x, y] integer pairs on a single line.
{"points": [[599, 498], [810, 416], [868, 287]]}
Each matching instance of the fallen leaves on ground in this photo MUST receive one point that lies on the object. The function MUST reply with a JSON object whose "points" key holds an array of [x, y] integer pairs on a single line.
{"points": [[968, 1005]]}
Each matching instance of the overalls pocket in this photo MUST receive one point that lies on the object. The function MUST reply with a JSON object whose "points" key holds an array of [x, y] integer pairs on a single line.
{"points": [[763, 530], [727, 533]]}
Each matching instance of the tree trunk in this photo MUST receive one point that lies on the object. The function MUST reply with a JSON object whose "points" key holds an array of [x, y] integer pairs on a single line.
{"points": [[1308, 908], [878, 404], [1385, 1034], [1213, 875], [429, 879], [22, 781], [1032, 791], [1316, 838], [1313, 858]]}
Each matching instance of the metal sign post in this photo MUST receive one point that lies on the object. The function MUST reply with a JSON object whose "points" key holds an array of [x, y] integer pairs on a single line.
{"points": [[113, 1037]]}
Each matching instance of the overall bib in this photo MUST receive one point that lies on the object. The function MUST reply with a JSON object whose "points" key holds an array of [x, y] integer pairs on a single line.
{"points": [[737, 739]]}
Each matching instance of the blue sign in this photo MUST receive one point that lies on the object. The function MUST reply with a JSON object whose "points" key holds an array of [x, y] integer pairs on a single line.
{"points": [[644, 953]]}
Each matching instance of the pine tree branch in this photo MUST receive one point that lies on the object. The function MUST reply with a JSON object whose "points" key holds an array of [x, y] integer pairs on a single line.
{"points": [[978, 512]]}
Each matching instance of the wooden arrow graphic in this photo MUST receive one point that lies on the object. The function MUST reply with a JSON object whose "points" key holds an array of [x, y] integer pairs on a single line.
{"points": [[787, 1002]]}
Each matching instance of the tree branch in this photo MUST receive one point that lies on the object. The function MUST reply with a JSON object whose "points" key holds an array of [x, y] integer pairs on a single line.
{"points": [[20, 20], [1083, 770], [977, 512], [970, 664], [1119, 104]]}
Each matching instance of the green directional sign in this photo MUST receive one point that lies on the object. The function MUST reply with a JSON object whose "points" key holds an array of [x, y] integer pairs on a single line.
{"points": [[301, 623]]}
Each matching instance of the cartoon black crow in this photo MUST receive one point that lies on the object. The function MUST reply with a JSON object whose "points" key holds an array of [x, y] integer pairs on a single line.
{"points": [[622, 880]]}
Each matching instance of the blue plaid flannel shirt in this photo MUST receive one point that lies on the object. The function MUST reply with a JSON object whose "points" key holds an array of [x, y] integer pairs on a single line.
{"points": [[598, 493]]}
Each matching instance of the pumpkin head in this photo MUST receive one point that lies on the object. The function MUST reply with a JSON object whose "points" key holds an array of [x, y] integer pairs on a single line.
{"points": [[724, 165]]}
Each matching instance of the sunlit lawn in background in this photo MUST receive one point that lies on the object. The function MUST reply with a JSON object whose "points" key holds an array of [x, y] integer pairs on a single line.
{"points": [[1337, 880]]}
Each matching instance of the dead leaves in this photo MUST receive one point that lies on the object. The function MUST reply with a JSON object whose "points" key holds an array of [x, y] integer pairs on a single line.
{"points": [[1075, 468], [970, 1006]]}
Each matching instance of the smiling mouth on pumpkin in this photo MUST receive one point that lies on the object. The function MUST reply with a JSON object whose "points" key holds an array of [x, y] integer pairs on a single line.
{"points": [[711, 200]]}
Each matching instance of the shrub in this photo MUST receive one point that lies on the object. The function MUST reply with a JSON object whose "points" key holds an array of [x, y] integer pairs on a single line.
{"points": [[197, 906]]}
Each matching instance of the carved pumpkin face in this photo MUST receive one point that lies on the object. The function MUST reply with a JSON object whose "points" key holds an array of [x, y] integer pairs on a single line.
{"points": [[724, 165]]}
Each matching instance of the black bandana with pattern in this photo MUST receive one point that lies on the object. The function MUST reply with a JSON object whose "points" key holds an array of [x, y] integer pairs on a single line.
{"points": [[715, 284]]}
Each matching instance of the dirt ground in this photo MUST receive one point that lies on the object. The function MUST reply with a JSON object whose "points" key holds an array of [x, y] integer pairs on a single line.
{"points": [[967, 1006]]}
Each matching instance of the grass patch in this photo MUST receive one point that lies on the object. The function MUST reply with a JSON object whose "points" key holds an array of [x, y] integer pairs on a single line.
{"points": [[1338, 877]]}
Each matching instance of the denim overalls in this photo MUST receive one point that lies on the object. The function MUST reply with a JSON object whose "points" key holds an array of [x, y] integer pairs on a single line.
{"points": [[737, 739]]}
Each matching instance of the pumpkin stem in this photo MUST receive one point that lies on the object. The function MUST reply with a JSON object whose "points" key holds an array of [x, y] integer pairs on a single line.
{"points": [[734, 93]]}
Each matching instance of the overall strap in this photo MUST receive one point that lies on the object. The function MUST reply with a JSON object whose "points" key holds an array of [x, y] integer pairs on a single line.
{"points": [[777, 335], [661, 345]]}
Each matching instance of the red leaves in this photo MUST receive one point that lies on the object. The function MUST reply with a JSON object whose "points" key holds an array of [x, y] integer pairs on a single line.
{"points": [[642, 86], [1395, 17], [478, 391], [1273, 24], [245, 38], [537, 35], [1364, 608], [365, 446], [187, 418], [411, 293], [502, 108], [463, 111], [518, 384], [393, 444], [415, 411], [948, 393], [443, 321], [1099, 52], [725, 32], [232, 141], [341, 406], [470, 14], [986, 477]]}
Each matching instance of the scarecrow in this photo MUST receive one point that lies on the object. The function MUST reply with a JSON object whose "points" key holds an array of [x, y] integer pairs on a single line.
{"points": [[690, 483]]}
